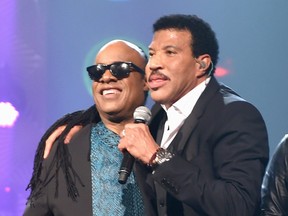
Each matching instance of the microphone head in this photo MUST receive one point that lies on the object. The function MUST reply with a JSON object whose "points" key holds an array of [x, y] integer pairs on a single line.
{"points": [[142, 114]]}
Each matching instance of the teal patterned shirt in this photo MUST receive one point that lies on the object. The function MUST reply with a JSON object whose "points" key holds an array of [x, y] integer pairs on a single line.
{"points": [[109, 197]]}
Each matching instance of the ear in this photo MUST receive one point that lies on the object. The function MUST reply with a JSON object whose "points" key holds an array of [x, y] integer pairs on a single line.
{"points": [[204, 62]]}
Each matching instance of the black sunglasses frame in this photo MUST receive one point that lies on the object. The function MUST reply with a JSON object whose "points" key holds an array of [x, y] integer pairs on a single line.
{"points": [[95, 72]]}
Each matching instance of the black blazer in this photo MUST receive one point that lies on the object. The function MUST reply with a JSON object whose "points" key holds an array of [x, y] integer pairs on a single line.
{"points": [[221, 153], [275, 183], [54, 199], [61, 204]]}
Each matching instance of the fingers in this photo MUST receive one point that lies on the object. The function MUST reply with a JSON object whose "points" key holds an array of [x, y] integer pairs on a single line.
{"points": [[138, 141], [121, 146], [71, 133], [123, 133], [51, 139]]}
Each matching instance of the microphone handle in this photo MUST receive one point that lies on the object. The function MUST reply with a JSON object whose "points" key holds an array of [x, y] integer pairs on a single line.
{"points": [[127, 162], [126, 167]]}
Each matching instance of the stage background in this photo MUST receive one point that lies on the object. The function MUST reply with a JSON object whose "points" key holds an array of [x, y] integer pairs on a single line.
{"points": [[45, 46]]}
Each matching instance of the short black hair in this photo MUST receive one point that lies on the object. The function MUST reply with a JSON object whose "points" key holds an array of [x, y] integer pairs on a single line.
{"points": [[204, 40]]}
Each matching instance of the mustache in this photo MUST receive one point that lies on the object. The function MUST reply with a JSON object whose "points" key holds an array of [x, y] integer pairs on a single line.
{"points": [[158, 74]]}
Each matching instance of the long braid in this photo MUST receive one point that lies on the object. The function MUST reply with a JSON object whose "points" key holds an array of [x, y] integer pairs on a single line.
{"points": [[62, 158]]}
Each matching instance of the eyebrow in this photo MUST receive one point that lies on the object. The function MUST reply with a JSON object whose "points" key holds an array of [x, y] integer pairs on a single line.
{"points": [[167, 47]]}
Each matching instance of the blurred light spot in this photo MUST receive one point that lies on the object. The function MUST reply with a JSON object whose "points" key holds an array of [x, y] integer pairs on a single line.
{"points": [[8, 114], [221, 72], [7, 189]]}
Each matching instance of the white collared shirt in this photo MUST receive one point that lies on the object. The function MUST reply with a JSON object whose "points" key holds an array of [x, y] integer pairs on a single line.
{"points": [[179, 111]]}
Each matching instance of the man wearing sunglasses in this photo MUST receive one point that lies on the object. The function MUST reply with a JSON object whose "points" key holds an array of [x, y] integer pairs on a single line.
{"points": [[206, 148], [81, 178]]}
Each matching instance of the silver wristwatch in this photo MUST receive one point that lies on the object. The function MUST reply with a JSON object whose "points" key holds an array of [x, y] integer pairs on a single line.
{"points": [[162, 155]]}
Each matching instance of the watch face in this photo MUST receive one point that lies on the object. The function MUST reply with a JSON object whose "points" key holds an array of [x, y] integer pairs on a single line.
{"points": [[162, 156]]}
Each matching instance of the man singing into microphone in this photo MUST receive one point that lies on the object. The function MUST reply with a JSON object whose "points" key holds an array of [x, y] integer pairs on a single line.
{"points": [[207, 148], [82, 178]]}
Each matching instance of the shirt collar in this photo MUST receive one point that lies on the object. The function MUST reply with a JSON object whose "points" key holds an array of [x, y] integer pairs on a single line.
{"points": [[186, 104]]}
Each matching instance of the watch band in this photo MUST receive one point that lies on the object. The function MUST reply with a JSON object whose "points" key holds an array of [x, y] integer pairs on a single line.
{"points": [[160, 156]]}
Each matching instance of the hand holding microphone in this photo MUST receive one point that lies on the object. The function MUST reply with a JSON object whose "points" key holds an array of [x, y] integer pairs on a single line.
{"points": [[141, 115]]}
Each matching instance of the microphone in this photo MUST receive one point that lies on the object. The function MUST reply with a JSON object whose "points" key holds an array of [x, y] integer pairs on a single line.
{"points": [[141, 115]]}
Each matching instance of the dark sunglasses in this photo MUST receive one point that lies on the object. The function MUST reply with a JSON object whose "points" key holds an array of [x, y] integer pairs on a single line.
{"points": [[118, 69]]}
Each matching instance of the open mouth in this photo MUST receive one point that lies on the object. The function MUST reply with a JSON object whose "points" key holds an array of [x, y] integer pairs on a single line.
{"points": [[110, 91]]}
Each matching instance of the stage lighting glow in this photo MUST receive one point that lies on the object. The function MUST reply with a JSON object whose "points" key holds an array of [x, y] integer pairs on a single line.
{"points": [[8, 114], [7, 189], [221, 72]]}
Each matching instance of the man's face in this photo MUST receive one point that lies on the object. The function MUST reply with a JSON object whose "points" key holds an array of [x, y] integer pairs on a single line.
{"points": [[171, 70], [118, 98]]}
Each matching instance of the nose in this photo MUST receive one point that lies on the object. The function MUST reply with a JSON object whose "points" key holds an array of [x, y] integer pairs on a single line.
{"points": [[154, 63], [107, 77]]}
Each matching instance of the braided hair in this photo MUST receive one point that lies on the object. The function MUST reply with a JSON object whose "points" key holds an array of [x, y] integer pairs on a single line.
{"points": [[62, 157]]}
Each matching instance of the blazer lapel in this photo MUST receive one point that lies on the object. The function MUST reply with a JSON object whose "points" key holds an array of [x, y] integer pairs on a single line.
{"points": [[156, 126], [192, 120]]}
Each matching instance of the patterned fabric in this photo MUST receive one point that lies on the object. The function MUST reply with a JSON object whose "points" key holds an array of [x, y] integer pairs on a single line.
{"points": [[109, 197]]}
